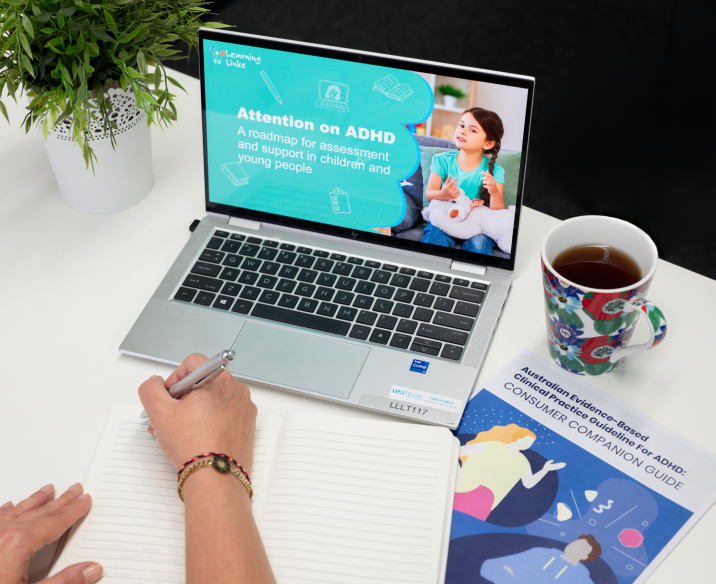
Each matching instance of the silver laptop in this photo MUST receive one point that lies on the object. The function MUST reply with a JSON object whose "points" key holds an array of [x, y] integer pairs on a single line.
{"points": [[320, 261]]}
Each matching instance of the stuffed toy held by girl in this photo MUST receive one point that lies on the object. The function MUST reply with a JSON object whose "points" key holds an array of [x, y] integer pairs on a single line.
{"points": [[455, 219]]}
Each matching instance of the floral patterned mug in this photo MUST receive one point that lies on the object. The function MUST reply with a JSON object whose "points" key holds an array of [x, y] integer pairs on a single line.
{"points": [[588, 328]]}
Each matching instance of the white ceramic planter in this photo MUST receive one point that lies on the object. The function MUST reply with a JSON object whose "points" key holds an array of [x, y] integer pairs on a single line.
{"points": [[450, 100], [122, 177]]}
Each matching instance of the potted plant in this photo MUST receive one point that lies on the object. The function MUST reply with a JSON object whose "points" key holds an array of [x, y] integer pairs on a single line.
{"points": [[451, 94], [82, 65]]}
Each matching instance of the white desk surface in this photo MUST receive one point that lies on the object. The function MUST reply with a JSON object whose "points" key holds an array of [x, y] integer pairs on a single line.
{"points": [[72, 284]]}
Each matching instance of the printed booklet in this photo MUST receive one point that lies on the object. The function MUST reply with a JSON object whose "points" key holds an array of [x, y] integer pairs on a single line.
{"points": [[560, 481]]}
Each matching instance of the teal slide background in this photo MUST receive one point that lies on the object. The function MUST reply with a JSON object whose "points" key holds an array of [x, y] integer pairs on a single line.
{"points": [[375, 200]]}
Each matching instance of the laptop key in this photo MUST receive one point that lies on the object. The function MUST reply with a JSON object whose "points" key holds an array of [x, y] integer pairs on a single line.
{"points": [[305, 289], [357, 261], [404, 310], [446, 304], [390, 267], [221, 233], [304, 261], [400, 341], [441, 278], [249, 249], [327, 309], [380, 277], [404, 296], [256, 240], [288, 301], [460, 282], [250, 293], [242, 306], [233, 261], [467, 294], [323, 265], [210, 255], [439, 288], [288, 272], [304, 250], [420, 285], [400, 280], [384, 306], [326, 279], [424, 314], [307, 304], [380, 337], [344, 297], [307, 275], [267, 281], [424, 300], [270, 243], [204, 298], [229, 274], [424, 349], [439, 333], [427, 275], [215, 243], [386, 322], [338, 257], [231, 289], [372, 264], [223, 302], [361, 272], [363, 301], [238, 237], [360, 332], [454, 321], [269, 296], [407, 271], [345, 283], [324, 294], [230, 246], [427, 343], [267, 253], [451, 352], [384, 291], [206, 269], [248, 277], [286, 257], [478, 286], [269, 268], [342, 269], [407, 326], [202, 283], [250, 264], [345, 313], [287, 246], [365, 317], [319, 253], [365, 288], [466, 308], [285, 285], [185, 294]]}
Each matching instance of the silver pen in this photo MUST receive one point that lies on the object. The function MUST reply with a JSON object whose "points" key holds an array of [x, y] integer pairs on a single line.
{"points": [[200, 376]]}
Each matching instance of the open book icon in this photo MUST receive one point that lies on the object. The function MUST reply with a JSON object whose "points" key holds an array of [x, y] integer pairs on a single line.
{"points": [[391, 88]]}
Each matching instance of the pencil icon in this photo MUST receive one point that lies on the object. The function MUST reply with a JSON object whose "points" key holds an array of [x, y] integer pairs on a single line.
{"points": [[272, 89]]}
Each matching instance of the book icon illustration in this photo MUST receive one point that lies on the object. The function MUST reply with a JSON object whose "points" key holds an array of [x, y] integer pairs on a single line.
{"points": [[390, 87], [235, 173], [332, 95], [339, 201]]}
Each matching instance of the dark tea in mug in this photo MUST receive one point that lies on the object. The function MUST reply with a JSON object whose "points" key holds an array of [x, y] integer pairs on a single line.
{"points": [[597, 266]]}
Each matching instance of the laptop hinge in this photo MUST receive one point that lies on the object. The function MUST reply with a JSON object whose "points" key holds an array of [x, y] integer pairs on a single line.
{"points": [[245, 223], [479, 270]]}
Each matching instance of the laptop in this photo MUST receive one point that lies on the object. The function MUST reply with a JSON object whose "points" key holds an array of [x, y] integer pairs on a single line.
{"points": [[309, 262]]}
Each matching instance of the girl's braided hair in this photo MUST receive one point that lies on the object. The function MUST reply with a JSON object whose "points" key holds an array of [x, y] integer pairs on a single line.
{"points": [[491, 123]]}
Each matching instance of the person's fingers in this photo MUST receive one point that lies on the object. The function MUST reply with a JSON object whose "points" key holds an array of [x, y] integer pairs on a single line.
{"points": [[38, 499], [65, 498], [6, 507], [83, 573], [187, 366], [150, 429], [152, 393], [51, 526]]}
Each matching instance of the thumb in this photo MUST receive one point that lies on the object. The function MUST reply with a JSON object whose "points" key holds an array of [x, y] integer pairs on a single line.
{"points": [[82, 573], [152, 393]]}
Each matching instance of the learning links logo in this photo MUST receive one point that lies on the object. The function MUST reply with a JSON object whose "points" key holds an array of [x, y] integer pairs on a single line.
{"points": [[231, 59], [216, 54]]}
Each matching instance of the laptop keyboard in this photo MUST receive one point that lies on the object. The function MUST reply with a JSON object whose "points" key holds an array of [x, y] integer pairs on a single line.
{"points": [[355, 297]]}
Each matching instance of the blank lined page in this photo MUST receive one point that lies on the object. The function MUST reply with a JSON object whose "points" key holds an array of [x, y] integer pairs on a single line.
{"points": [[355, 501], [135, 528]]}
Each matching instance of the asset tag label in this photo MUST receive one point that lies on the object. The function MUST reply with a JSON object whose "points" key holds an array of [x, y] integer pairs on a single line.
{"points": [[415, 396]]}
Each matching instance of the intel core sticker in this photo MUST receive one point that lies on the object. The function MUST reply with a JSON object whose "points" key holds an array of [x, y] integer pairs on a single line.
{"points": [[420, 366], [424, 398]]}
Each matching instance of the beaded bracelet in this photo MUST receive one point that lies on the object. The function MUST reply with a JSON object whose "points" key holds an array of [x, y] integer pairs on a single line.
{"points": [[241, 468], [221, 464]]}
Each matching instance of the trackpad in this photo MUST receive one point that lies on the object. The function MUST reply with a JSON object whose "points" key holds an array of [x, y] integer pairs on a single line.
{"points": [[300, 360]]}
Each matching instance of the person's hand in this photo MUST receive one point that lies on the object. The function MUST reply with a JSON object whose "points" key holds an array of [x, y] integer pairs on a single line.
{"points": [[449, 190], [488, 181], [475, 204], [218, 417], [550, 465], [37, 521]]}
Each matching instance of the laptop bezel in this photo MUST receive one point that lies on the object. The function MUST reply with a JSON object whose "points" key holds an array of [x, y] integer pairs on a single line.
{"points": [[469, 73]]}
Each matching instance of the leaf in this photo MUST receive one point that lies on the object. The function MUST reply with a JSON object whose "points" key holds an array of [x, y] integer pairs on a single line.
{"points": [[217, 25], [123, 82], [99, 33], [597, 368], [27, 64], [175, 82], [141, 61], [65, 12], [4, 111], [46, 128], [608, 327], [43, 17], [166, 52], [73, 50], [28, 26], [149, 97], [571, 319], [157, 77], [75, 26], [24, 43], [14, 2], [134, 73]]}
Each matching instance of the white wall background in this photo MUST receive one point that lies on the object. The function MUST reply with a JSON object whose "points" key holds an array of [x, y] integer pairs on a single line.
{"points": [[510, 104]]}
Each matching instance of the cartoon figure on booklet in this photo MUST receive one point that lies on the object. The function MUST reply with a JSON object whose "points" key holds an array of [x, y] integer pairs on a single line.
{"points": [[470, 172], [492, 464], [540, 564]]}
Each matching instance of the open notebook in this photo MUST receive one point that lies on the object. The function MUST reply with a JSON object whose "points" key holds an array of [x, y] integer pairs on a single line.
{"points": [[336, 500]]}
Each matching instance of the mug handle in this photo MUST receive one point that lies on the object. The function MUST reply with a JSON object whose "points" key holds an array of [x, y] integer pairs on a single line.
{"points": [[657, 328]]}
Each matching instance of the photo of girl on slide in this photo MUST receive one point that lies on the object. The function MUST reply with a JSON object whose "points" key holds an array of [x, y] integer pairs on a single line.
{"points": [[471, 170]]}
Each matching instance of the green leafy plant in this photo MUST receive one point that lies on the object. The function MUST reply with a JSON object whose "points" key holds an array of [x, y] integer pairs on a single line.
{"points": [[450, 90], [65, 53]]}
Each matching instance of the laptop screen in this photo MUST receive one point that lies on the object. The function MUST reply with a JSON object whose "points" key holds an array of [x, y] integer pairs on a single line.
{"points": [[397, 152]]}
